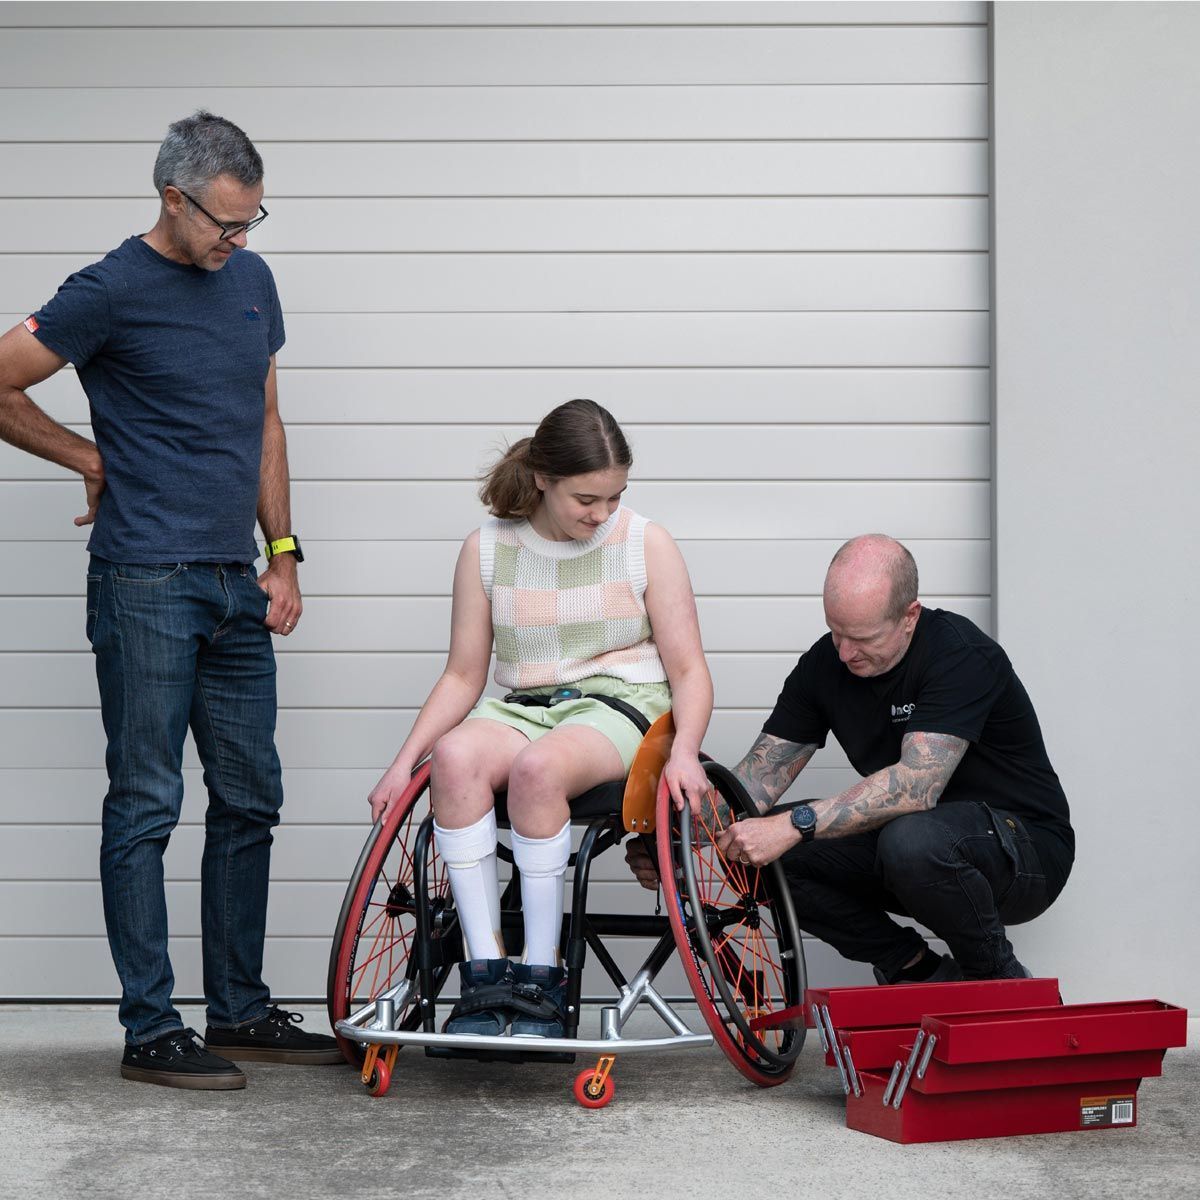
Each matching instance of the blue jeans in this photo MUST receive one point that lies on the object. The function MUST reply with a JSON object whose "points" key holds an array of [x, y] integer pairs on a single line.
{"points": [[964, 870], [179, 645]]}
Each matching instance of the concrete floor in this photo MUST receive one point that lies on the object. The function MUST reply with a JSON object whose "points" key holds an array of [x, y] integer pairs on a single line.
{"points": [[682, 1125]]}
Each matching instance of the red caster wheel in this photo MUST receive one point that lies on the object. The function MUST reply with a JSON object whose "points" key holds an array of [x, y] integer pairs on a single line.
{"points": [[587, 1095], [381, 1079]]}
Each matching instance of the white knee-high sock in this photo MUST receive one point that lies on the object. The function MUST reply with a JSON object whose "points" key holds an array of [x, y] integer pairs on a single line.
{"points": [[543, 864], [470, 858]]}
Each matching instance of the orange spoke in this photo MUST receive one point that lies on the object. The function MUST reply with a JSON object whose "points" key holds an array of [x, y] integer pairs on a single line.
{"points": [[377, 956]]}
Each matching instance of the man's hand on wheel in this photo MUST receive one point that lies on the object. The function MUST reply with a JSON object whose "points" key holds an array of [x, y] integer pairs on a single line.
{"points": [[641, 864], [757, 841]]}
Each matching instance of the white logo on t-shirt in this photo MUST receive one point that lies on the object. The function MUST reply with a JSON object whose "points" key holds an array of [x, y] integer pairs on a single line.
{"points": [[901, 712]]}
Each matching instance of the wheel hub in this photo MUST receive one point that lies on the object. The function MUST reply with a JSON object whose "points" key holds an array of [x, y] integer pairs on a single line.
{"points": [[399, 901]]}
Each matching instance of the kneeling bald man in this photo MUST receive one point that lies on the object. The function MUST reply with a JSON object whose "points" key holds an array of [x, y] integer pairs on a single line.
{"points": [[960, 820]]}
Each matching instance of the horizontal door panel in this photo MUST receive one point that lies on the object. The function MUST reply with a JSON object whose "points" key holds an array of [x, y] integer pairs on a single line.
{"points": [[403, 113], [638, 339], [782, 567], [674, 452], [52, 796], [356, 283], [373, 14], [337, 57], [367, 624], [372, 225], [734, 396], [367, 679], [516, 168], [329, 739], [760, 511]]}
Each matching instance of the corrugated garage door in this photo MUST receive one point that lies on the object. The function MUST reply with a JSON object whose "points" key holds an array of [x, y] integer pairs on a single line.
{"points": [[757, 232]]}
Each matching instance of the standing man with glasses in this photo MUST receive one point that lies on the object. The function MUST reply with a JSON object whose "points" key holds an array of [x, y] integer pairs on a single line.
{"points": [[173, 336]]}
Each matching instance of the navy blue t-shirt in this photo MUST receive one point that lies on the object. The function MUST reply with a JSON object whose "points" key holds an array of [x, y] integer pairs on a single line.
{"points": [[953, 679], [174, 362]]}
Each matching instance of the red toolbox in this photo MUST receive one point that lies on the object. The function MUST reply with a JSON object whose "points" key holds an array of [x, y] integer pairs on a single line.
{"points": [[864, 1027], [1032, 1070], [945, 1061]]}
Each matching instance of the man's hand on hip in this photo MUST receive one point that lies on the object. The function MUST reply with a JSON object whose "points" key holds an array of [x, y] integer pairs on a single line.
{"points": [[94, 488], [283, 588]]}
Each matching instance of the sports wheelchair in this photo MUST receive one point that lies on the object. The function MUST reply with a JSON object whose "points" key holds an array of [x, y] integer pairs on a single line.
{"points": [[398, 939]]}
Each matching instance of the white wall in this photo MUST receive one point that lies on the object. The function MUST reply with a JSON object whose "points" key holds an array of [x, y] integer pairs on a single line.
{"points": [[757, 232], [1097, 120]]}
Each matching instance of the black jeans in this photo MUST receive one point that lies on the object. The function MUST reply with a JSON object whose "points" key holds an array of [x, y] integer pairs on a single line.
{"points": [[963, 870]]}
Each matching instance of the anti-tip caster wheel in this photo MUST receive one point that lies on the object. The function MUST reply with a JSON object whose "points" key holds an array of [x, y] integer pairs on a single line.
{"points": [[588, 1094], [381, 1079]]}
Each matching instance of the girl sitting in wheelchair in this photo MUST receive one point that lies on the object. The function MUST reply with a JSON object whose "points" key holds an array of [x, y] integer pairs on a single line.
{"points": [[581, 598]]}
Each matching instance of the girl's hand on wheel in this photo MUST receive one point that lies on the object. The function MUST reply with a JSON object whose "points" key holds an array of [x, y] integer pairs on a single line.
{"points": [[687, 782], [388, 790]]}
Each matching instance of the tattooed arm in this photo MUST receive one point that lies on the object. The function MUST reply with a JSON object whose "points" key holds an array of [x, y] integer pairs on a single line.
{"points": [[770, 767], [914, 784]]}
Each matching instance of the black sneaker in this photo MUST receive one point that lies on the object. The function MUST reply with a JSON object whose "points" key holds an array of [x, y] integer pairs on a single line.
{"points": [[175, 1060], [274, 1038], [947, 971], [543, 990]]}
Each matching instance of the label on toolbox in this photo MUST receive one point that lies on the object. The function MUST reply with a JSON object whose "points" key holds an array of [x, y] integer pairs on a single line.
{"points": [[1096, 1112]]}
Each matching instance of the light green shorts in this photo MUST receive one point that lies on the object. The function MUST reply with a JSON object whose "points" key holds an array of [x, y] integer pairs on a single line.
{"points": [[650, 699]]}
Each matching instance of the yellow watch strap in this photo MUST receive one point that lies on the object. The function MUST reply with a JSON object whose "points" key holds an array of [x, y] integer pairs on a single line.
{"points": [[280, 546]]}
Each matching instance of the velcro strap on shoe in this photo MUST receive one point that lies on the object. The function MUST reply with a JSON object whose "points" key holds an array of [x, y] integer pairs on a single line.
{"points": [[485, 996], [531, 1001]]}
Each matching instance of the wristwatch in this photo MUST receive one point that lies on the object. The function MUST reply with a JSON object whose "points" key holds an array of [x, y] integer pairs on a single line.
{"points": [[284, 545], [804, 822]]}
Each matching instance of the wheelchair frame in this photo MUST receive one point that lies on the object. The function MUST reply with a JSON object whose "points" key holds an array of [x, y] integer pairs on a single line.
{"points": [[404, 1012]]}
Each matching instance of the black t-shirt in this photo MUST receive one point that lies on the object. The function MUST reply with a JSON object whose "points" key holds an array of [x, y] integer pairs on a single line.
{"points": [[954, 679]]}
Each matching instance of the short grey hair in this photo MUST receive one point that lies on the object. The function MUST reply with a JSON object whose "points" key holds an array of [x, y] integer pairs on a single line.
{"points": [[199, 148]]}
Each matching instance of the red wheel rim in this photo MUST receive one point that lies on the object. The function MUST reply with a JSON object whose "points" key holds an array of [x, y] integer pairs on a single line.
{"points": [[377, 924], [744, 942]]}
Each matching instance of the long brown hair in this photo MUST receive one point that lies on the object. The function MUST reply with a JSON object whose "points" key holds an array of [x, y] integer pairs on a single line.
{"points": [[576, 438]]}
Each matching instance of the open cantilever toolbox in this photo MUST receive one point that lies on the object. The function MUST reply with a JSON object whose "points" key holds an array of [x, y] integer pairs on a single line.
{"points": [[935, 1062]]}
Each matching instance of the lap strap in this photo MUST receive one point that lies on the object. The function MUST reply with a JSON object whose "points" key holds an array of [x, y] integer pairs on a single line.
{"points": [[625, 709]]}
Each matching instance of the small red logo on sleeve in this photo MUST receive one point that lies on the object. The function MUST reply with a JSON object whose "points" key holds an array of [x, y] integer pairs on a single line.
{"points": [[31, 324]]}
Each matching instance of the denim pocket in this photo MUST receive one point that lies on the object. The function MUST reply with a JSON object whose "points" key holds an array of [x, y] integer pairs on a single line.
{"points": [[261, 600], [144, 573], [94, 583]]}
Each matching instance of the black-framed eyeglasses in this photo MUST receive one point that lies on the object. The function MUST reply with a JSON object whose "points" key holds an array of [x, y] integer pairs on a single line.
{"points": [[227, 231]]}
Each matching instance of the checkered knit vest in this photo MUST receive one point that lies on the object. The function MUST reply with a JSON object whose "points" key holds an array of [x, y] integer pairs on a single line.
{"points": [[562, 611]]}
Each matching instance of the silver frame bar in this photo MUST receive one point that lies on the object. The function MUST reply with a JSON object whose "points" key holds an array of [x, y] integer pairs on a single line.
{"points": [[368, 1027]]}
